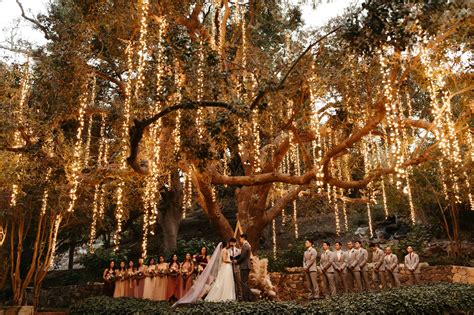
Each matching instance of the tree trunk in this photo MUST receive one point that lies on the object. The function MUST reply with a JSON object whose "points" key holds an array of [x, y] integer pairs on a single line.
{"points": [[171, 214], [72, 247]]}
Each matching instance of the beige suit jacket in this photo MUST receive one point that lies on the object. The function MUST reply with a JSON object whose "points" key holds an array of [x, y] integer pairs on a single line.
{"points": [[339, 263], [352, 258], [391, 262], [327, 258], [309, 259], [377, 259], [412, 262], [363, 259]]}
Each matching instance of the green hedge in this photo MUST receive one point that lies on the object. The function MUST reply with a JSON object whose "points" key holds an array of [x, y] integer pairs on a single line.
{"points": [[425, 299]]}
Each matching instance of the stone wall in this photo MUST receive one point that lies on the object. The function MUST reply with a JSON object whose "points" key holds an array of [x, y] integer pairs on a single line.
{"points": [[63, 297], [290, 285]]}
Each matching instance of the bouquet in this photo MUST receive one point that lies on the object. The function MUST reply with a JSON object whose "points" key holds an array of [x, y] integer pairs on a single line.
{"points": [[152, 272], [140, 275], [161, 272], [120, 276], [110, 277], [200, 269], [173, 272]]}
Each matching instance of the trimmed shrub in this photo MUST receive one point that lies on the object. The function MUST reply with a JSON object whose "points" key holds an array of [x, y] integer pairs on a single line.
{"points": [[424, 299]]}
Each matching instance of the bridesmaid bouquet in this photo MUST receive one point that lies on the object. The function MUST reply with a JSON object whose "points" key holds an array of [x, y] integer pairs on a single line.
{"points": [[140, 275], [200, 269], [161, 272], [120, 276], [110, 277], [152, 273], [173, 272]]}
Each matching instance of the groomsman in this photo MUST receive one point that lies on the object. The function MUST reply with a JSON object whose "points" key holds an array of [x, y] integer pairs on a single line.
{"points": [[234, 254], [391, 267], [245, 263], [378, 273], [311, 271], [327, 259], [339, 265], [412, 262], [353, 268], [362, 260]]}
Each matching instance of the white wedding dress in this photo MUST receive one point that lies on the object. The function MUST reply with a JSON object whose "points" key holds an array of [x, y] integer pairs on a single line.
{"points": [[217, 280], [223, 288]]}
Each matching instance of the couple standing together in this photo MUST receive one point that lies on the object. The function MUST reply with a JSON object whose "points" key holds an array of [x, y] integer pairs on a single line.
{"points": [[226, 275]]}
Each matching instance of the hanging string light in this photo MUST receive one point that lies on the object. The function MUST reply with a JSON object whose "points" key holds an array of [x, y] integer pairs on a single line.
{"points": [[344, 210], [142, 47], [336, 212], [274, 238], [44, 201], [410, 197], [200, 90], [295, 219], [57, 223], [256, 144], [187, 193], [119, 210], [90, 123], [95, 216], [78, 149], [85, 163], [103, 146], [369, 215]]}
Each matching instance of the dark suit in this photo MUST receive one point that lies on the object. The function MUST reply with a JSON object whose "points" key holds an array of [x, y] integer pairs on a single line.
{"points": [[234, 252], [245, 265]]}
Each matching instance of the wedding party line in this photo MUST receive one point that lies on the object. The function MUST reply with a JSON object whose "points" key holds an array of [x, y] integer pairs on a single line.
{"points": [[224, 275]]}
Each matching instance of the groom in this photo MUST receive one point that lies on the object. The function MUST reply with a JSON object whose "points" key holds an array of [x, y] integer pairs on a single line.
{"points": [[234, 254], [245, 265]]}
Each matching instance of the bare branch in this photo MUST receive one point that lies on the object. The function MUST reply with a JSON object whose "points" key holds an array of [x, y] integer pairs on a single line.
{"points": [[45, 31]]}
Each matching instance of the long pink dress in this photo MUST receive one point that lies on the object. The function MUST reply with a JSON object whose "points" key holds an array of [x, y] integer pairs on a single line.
{"points": [[140, 283], [161, 282], [120, 283], [149, 286], [186, 278], [129, 283], [172, 287]]}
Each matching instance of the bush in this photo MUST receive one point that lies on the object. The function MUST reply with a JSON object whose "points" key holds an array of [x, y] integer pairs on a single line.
{"points": [[425, 299], [292, 257], [96, 263], [193, 246]]}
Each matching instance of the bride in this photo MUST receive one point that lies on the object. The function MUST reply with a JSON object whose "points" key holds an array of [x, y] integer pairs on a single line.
{"points": [[217, 280], [223, 288]]}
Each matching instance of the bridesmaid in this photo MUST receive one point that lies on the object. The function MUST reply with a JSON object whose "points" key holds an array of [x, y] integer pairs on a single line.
{"points": [[120, 280], [202, 260], [109, 278], [129, 280], [150, 279], [172, 289], [187, 270], [161, 280], [140, 279]]}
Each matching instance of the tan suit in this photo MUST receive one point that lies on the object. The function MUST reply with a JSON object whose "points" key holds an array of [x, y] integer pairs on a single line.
{"points": [[391, 269], [353, 269], [412, 265], [364, 270], [340, 268], [378, 273], [311, 271], [327, 259]]}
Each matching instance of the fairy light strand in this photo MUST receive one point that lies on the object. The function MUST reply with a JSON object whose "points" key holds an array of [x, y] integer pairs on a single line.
{"points": [[78, 149]]}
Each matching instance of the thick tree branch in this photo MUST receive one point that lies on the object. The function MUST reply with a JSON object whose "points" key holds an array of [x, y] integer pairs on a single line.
{"points": [[137, 130]]}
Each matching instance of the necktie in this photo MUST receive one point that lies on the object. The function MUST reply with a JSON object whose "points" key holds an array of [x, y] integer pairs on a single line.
{"points": [[410, 256]]}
